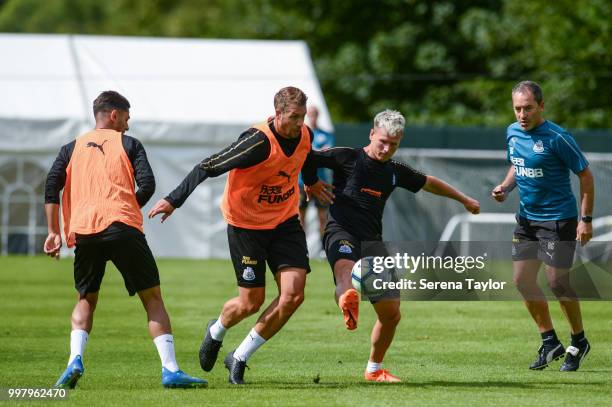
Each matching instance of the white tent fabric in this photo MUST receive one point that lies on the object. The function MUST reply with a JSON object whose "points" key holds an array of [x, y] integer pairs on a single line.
{"points": [[189, 99]]}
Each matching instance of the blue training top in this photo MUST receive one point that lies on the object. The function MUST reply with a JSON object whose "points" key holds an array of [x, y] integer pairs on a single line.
{"points": [[542, 158], [321, 140]]}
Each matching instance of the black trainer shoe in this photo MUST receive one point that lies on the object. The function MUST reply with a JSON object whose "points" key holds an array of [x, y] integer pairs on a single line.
{"points": [[546, 354], [209, 350], [574, 357], [236, 368]]}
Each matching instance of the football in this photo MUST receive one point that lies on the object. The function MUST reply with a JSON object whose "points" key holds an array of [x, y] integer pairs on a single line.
{"points": [[362, 276]]}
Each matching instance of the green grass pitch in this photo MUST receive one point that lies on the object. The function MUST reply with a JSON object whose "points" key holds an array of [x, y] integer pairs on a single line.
{"points": [[447, 353]]}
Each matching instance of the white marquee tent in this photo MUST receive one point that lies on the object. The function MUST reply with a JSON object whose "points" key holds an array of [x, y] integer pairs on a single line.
{"points": [[189, 98]]}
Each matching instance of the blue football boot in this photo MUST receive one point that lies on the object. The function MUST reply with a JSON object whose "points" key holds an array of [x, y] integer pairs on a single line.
{"points": [[71, 375], [180, 379]]}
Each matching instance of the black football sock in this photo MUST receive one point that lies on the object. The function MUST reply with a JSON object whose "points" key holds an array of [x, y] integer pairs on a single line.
{"points": [[550, 338], [578, 340]]}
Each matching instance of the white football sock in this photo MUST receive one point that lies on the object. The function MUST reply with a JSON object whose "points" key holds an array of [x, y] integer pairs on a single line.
{"points": [[373, 366], [165, 348], [249, 345], [217, 330], [78, 340]]}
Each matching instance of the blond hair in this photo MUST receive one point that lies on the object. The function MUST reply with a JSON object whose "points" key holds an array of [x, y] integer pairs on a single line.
{"points": [[392, 121]]}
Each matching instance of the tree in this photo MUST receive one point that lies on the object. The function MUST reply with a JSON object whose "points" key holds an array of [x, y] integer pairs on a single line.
{"points": [[439, 62]]}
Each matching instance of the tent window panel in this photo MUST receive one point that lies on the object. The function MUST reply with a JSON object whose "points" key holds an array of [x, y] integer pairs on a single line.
{"points": [[39, 243], [41, 219], [8, 172], [34, 176], [18, 243], [19, 209]]}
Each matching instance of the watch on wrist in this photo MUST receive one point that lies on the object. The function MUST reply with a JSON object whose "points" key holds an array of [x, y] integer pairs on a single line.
{"points": [[587, 219]]}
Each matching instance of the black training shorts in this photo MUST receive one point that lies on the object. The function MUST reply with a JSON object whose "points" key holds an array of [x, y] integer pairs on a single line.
{"points": [[281, 247], [552, 242], [340, 244], [131, 255]]}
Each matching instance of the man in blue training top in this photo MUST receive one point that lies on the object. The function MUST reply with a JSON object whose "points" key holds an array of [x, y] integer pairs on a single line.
{"points": [[322, 140], [541, 154]]}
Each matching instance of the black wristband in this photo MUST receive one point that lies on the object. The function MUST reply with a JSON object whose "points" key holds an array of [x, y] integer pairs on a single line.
{"points": [[587, 219]]}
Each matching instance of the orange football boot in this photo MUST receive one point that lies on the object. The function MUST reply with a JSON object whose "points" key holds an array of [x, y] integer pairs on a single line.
{"points": [[349, 304], [382, 376]]}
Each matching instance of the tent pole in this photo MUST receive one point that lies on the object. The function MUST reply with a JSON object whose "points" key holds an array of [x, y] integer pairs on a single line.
{"points": [[79, 78]]}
